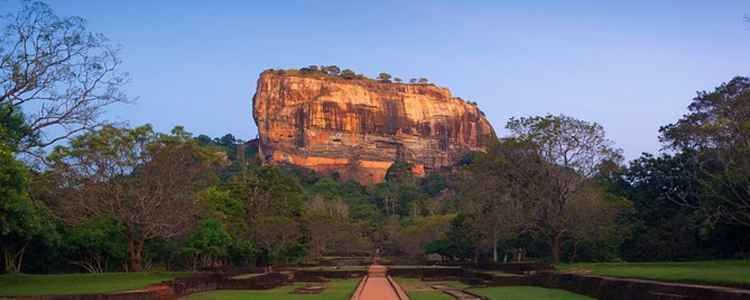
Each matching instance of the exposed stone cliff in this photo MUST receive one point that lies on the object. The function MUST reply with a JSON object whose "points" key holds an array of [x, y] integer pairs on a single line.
{"points": [[359, 127]]}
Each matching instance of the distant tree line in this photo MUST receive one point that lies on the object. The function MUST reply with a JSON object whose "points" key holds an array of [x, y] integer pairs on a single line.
{"points": [[335, 71]]}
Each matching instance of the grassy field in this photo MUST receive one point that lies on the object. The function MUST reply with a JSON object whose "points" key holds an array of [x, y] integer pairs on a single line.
{"points": [[420, 290], [527, 293], [337, 290], [67, 284], [727, 272]]}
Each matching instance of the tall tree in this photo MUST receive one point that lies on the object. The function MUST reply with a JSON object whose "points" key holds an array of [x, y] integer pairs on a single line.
{"points": [[571, 152], [143, 180], [488, 198], [384, 77], [56, 71], [271, 203], [716, 130], [21, 219]]}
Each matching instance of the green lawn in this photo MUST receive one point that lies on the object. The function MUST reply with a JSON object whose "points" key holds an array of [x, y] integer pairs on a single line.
{"points": [[337, 290], [726, 272], [420, 290], [527, 293], [67, 284]]}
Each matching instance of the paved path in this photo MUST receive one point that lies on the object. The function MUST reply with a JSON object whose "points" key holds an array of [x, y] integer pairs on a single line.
{"points": [[377, 286]]}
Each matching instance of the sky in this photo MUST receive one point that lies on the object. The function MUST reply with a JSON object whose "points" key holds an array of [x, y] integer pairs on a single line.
{"points": [[631, 66]]}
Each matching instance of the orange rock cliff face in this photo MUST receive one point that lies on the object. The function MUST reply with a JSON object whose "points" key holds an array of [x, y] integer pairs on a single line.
{"points": [[359, 127]]}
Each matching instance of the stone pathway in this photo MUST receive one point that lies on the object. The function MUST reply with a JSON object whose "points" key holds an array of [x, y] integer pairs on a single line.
{"points": [[455, 293], [378, 286]]}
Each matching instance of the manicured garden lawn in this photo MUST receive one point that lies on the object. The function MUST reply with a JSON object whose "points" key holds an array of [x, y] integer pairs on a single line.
{"points": [[337, 290], [527, 293], [420, 290], [723, 272], [66, 284]]}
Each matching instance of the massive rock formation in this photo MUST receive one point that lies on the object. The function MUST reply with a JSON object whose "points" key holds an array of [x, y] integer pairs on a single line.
{"points": [[359, 127]]}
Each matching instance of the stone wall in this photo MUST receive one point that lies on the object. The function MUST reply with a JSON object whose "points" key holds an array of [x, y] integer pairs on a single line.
{"points": [[624, 289]]}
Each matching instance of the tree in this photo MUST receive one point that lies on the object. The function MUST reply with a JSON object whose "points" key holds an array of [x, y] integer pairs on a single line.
{"points": [[271, 203], [717, 131], [329, 226], [463, 239], [413, 80], [566, 155], [348, 74], [593, 217], [662, 228], [56, 71], [208, 246], [420, 231], [399, 80], [423, 80], [384, 77], [21, 218], [332, 70], [142, 180], [95, 245], [276, 234], [489, 193]]}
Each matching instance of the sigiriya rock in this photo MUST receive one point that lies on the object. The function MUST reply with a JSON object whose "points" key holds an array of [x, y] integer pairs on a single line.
{"points": [[358, 127]]}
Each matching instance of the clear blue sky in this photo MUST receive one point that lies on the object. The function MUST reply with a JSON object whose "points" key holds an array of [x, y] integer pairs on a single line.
{"points": [[630, 65]]}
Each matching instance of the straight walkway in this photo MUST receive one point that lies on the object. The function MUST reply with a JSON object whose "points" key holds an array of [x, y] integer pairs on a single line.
{"points": [[377, 286]]}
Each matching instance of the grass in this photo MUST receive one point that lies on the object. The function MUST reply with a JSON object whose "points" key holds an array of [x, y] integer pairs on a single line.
{"points": [[420, 290], [70, 284], [725, 272], [527, 293], [337, 290]]}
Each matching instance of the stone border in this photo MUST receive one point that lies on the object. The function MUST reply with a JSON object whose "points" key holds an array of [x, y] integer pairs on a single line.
{"points": [[399, 291], [360, 288], [601, 287]]}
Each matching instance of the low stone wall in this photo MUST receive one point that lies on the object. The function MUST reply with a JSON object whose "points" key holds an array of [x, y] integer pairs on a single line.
{"points": [[514, 268], [496, 279], [260, 282], [599, 287], [425, 272], [194, 284], [146, 294], [333, 274], [176, 288], [623, 289]]}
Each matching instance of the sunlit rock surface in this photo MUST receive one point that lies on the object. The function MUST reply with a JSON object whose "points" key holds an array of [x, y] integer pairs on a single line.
{"points": [[359, 127]]}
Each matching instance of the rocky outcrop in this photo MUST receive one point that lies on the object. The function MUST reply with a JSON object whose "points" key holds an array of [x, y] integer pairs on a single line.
{"points": [[359, 127]]}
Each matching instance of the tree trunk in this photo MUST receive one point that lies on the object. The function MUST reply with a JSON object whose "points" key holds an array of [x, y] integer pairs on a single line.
{"points": [[575, 252], [14, 259], [135, 252], [555, 245], [494, 253], [494, 244]]}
